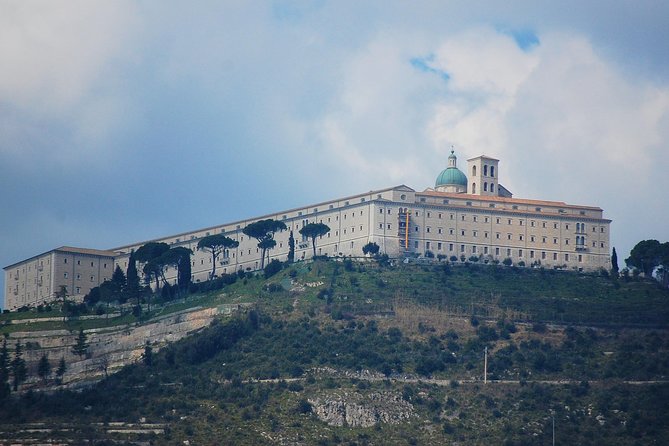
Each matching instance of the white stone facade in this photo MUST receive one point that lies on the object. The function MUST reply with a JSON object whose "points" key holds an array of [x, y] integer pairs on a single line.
{"points": [[399, 219]]}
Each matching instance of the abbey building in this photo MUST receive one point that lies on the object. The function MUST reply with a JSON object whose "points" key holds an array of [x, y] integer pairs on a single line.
{"points": [[462, 217]]}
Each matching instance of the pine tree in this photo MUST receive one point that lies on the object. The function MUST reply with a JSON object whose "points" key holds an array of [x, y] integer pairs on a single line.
{"points": [[18, 366], [291, 248], [60, 371], [81, 347], [43, 367]]}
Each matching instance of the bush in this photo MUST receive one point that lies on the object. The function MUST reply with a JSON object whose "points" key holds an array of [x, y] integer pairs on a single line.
{"points": [[453, 259], [507, 261], [272, 268], [303, 406], [429, 254]]}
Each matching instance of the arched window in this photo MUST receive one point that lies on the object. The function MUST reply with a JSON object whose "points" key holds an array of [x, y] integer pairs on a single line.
{"points": [[474, 185], [485, 187], [473, 171], [492, 171], [492, 187], [578, 227], [485, 170]]}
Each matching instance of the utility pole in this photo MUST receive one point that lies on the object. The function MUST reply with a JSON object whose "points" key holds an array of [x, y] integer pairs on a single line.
{"points": [[485, 366]]}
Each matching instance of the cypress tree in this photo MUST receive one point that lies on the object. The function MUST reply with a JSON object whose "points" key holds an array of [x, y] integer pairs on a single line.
{"points": [[291, 248], [60, 371], [132, 279], [4, 370], [614, 262], [81, 347], [18, 366], [43, 367]]}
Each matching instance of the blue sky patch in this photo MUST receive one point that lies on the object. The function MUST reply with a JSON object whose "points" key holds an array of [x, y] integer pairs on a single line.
{"points": [[526, 39], [424, 64]]}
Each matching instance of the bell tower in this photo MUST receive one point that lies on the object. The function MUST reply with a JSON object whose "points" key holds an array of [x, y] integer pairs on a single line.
{"points": [[483, 174]]}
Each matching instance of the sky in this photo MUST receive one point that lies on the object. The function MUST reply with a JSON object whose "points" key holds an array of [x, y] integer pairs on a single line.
{"points": [[124, 121]]}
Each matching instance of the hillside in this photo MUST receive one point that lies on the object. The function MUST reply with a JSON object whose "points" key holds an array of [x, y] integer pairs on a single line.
{"points": [[357, 353]]}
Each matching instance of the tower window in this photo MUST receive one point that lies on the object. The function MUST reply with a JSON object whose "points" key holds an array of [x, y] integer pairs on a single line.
{"points": [[485, 187], [492, 171], [492, 187], [485, 170], [474, 185], [473, 171]]}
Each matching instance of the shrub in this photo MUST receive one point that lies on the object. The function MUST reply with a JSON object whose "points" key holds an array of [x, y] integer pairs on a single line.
{"points": [[507, 261], [429, 254], [454, 259], [272, 268]]}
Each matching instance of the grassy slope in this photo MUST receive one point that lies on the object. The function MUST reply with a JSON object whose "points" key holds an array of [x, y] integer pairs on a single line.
{"points": [[197, 388]]}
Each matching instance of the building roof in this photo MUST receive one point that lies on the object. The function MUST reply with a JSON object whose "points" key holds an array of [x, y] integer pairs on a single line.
{"points": [[451, 176], [483, 156], [506, 200], [69, 249]]}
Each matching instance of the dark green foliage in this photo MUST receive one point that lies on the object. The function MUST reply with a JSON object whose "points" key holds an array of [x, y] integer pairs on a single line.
{"points": [[272, 268], [132, 279], [81, 347], [4, 370], [62, 368], [147, 357], [19, 370], [291, 248], [507, 262], [614, 262], [371, 248], [314, 230], [263, 231], [648, 255], [216, 244], [44, 367]]}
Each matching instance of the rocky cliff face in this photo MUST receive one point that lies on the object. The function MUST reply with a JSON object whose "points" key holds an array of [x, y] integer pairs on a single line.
{"points": [[110, 348], [356, 410]]}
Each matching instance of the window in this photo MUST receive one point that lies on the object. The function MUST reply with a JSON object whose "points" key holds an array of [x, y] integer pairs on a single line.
{"points": [[555, 256], [439, 230], [474, 185], [601, 245], [462, 248], [566, 226], [492, 187], [555, 225], [509, 221], [450, 246], [462, 232], [438, 246], [428, 215], [498, 220], [531, 254], [566, 241], [520, 253], [508, 252], [485, 170], [380, 211], [427, 245], [520, 237], [508, 236], [566, 257], [497, 235], [473, 249], [416, 228], [543, 255], [78, 262], [485, 186], [496, 251], [532, 238], [64, 260], [92, 278], [469, 203], [485, 235], [474, 233], [475, 218], [440, 215], [78, 290], [451, 231], [485, 250], [78, 276], [388, 225], [380, 225], [555, 241], [427, 229], [65, 275], [416, 244], [492, 171], [463, 217], [473, 171]]}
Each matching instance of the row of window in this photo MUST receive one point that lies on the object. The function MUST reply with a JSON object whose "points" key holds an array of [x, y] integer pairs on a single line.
{"points": [[474, 250]]}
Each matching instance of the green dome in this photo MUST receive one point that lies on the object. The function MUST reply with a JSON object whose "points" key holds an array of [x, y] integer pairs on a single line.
{"points": [[451, 176]]}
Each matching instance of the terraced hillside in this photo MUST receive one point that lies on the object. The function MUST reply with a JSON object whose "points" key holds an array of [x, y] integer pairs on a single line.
{"points": [[358, 353]]}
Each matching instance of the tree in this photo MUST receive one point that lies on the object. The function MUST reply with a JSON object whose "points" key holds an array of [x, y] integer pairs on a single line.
{"points": [[291, 248], [370, 248], [118, 279], [314, 230], [60, 371], [132, 278], [216, 244], [263, 231], [4, 370], [43, 367], [645, 256], [18, 366], [147, 357], [614, 262], [81, 347], [150, 254]]}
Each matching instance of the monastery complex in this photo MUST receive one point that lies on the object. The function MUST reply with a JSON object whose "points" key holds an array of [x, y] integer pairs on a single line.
{"points": [[463, 215]]}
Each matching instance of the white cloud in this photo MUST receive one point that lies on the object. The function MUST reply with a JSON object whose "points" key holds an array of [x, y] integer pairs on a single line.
{"points": [[58, 58]]}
